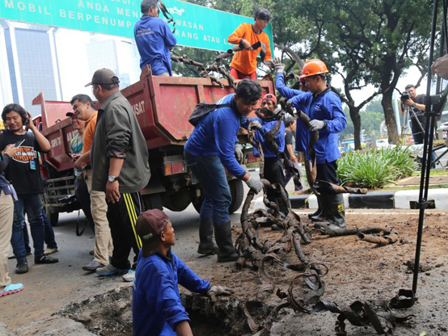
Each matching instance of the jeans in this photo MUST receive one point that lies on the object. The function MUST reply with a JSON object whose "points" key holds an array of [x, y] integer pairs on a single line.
{"points": [[49, 234], [211, 175], [32, 206]]}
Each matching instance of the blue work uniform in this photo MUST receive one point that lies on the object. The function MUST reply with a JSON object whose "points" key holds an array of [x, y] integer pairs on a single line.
{"points": [[327, 107], [210, 148], [156, 303], [260, 134], [302, 134], [154, 40]]}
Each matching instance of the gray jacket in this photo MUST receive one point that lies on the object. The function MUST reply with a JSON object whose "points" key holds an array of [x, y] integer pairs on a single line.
{"points": [[117, 134]]}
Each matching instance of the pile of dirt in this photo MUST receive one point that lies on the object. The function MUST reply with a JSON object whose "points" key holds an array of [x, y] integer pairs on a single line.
{"points": [[358, 271]]}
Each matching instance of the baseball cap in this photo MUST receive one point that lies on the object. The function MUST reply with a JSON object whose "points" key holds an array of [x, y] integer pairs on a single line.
{"points": [[104, 77], [149, 225], [70, 114], [271, 97]]}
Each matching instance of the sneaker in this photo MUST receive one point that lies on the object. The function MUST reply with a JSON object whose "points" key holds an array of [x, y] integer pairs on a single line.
{"points": [[44, 259], [50, 250], [92, 266], [129, 277], [22, 267], [11, 289], [110, 270]]}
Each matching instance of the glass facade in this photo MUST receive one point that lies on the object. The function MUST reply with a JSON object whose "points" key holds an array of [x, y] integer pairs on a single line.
{"points": [[36, 66]]}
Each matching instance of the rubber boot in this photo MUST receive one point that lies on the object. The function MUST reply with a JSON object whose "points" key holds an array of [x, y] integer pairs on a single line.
{"points": [[334, 205], [206, 245], [223, 236], [319, 215]]}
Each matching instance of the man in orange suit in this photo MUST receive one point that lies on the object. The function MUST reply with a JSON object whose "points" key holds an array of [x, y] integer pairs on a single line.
{"points": [[244, 63]]}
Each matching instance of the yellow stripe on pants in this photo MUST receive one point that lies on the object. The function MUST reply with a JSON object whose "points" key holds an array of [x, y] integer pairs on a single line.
{"points": [[132, 217]]}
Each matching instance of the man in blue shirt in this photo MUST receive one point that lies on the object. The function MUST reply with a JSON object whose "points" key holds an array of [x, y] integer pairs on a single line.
{"points": [[154, 40], [273, 166], [156, 304], [324, 108], [207, 152]]}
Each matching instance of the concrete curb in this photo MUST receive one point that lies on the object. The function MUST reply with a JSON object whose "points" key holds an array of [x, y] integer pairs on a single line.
{"points": [[402, 199]]}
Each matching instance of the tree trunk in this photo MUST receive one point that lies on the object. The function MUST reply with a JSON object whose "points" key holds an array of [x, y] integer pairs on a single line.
{"points": [[356, 119], [389, 116]]}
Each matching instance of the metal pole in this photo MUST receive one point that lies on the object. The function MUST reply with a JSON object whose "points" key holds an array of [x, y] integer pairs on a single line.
{"points": [[427, 150]]}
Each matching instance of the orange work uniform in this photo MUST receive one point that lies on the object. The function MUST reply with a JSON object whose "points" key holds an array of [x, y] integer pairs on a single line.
{"points": [[245, 61]]}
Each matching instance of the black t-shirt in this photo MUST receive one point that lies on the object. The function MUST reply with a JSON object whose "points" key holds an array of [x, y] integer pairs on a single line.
{"points": [[420, 99], [23, 170], [289, 140]]}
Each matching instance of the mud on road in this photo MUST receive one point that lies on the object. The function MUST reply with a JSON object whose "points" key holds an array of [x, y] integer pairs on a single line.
{"points": [[358, 271]]}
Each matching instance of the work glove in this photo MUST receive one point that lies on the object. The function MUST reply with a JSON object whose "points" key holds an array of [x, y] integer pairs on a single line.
{"points": [[215, 291], [316, 125], [279, 66], [256, 124], [254, 185], [239, 152]]}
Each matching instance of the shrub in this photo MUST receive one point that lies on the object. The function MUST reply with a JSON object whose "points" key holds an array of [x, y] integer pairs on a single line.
{"points": [[376, 167]]}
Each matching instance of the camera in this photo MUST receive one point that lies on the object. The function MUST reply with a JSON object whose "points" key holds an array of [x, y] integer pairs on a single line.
{"points": [[405, 96]]}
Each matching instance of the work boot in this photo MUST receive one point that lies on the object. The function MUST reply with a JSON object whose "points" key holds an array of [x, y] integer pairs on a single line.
{"points": [[319, 215], [206, 245], [223, 236], [334, 205]]}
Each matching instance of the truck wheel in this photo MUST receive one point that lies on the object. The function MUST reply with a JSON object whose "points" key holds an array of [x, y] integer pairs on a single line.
{"points": [[53, 217], [237, 192], [152, 201], [197, 204]]}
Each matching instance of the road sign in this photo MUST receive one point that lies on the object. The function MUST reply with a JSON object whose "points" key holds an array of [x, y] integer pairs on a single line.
{"points": [[196, 26]]}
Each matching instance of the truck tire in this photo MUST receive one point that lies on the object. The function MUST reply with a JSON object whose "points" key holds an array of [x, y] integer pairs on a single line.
{"points": [[197, 203], [53, 217], [237, 192], [152, 201]]}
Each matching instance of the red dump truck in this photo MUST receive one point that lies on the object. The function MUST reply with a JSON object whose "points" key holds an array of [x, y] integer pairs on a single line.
{"points": [[162, 106]]}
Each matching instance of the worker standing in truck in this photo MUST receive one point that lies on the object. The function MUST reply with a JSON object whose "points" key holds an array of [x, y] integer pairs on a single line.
{"points": [[244, 63], [120, 168], [154, 39], [209, 149]]}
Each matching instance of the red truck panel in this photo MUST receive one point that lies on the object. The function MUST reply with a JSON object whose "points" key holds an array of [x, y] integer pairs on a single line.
{"points": [[162, 106], [57, 128]]}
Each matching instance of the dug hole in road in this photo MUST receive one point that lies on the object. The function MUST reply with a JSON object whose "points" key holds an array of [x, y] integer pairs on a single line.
{"points": [[62, 299]]}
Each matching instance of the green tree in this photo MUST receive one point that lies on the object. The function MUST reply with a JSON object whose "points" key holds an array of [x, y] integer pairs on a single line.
{"points": [[372, 42]]}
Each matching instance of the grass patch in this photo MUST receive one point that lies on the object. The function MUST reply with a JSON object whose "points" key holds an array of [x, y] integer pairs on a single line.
{"points": [[434, 172], [413, 187], [375, 168]]}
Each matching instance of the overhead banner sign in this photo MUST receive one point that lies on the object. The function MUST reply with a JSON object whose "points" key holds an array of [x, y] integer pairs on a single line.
{"points": [[196, 26]]}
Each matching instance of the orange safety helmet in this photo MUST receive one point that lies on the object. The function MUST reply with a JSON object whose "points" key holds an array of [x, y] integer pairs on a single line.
{"points": [[313, 67]]}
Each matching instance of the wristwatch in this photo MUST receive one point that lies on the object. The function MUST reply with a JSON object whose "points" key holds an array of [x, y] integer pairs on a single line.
{"points": [[111, 178]]}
